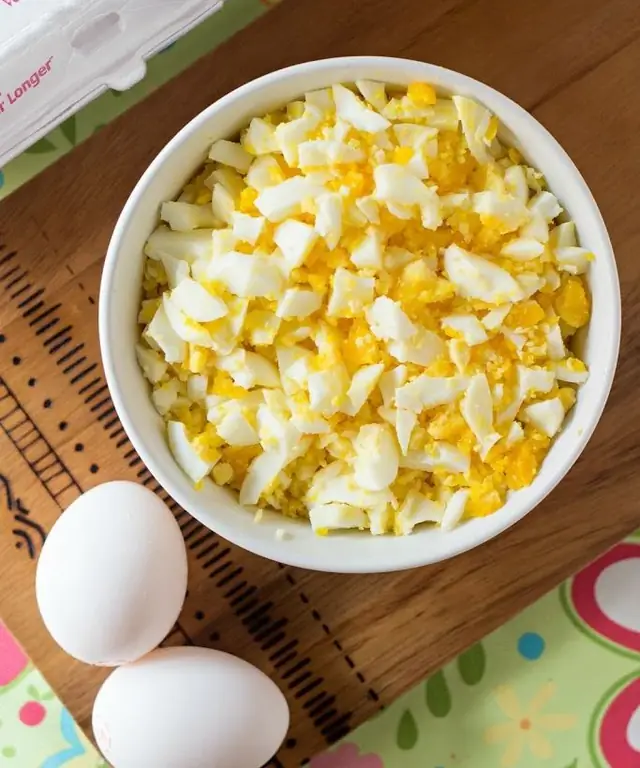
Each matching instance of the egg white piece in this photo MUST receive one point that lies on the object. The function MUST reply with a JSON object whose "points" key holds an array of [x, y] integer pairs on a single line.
{"points": [[416, 509], [230, 153], [563, 235], [405, 422], [454, 510], [459, 354], [263, 325], [112, 575], [185, 454], [262, 471], [362, 385], [390, 381], [247, 276], [370, 208], [533, 380], [335, 484], [509, 211], [377, 460], [153, 365], [327, 391], [166, 396], [523, 249], [547, 416], [537, 228], [375, 93], [295, 239], [546, 205], [289, 135], [321, 98], [567, 370], [327, 517], [478, 278], [249, 369], [327, 152], [185, 246], [196, 302], [328, 222], [477, 410], [260, 138], [573, 259], [247, 228], [394, 183], [229, 178], [495, 317], [223, 203], [350, 293], [184, 217], [555, 343], [353, 111], [298, 302], [468, 327], [176, 270], [388, 321], [367, 254], [515, 180], [264, 172], [422, 348], [285, 199], [160, 334], [189, 707], [426, 392], [183, 326], [440, 455], [475, 121], [236, 429], [197, 385], [515, 433], [530, 283]]}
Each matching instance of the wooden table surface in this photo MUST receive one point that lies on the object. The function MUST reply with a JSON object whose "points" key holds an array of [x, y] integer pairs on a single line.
{"points": [[574, 64]]}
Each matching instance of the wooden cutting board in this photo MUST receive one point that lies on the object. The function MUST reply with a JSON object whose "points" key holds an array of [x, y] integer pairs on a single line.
{"points": [[340, 647]]}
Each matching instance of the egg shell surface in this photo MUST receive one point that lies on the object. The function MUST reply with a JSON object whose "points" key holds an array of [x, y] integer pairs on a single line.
{"points": [[192, 708], [112, 575]]}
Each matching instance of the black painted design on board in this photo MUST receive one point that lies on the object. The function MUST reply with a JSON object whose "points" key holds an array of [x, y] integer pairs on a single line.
{"points": [[29, 535]]}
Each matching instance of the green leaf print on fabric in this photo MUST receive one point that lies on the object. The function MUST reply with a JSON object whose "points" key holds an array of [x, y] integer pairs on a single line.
{"points": [[407, 733], [574, 764], [438, 695], [41, 147], [33, 692], [472, 664], [68, 129]]}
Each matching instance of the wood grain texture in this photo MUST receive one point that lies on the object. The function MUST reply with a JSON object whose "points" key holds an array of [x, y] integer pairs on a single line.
{"points": [[340, 646]]}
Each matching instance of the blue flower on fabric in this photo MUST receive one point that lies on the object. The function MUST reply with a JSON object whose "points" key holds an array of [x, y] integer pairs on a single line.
{"points": [[531, 646]]}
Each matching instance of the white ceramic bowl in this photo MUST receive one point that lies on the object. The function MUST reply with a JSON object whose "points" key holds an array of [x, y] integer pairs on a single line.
{"points": [[120, 295]]}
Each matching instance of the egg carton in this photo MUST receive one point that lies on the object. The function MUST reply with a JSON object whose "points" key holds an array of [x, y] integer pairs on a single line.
{"points": [[57, 55]]}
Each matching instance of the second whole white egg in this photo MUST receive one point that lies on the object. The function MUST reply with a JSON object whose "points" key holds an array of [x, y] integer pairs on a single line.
{"points": [[112, 576], [189, 708]]}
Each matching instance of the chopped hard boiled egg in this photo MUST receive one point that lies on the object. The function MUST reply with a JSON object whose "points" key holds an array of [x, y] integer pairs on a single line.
{"points": [[361, 312]]}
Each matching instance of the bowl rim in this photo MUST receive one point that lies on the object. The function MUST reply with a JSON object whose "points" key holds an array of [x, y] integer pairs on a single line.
{"points": [[278, 550]]}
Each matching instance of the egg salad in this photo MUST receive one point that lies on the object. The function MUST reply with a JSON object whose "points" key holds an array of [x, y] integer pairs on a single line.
{"points": [[360, 312]]}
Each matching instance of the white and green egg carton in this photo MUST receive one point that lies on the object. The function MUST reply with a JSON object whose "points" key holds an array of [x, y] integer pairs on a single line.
{"points": [[57, 55]]}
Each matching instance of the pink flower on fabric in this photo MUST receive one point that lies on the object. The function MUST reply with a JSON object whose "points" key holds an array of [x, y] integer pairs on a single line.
{"points": [[13, 660], [347, 756]]}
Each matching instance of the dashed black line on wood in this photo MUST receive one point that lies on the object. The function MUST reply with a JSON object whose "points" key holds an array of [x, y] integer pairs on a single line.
{"points": [[32, 297], [16, 280], [32, 310], [43, 315]]}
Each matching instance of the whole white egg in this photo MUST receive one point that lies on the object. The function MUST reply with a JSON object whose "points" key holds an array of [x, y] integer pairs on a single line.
{"points": [[112, 576], [189, 708]]}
